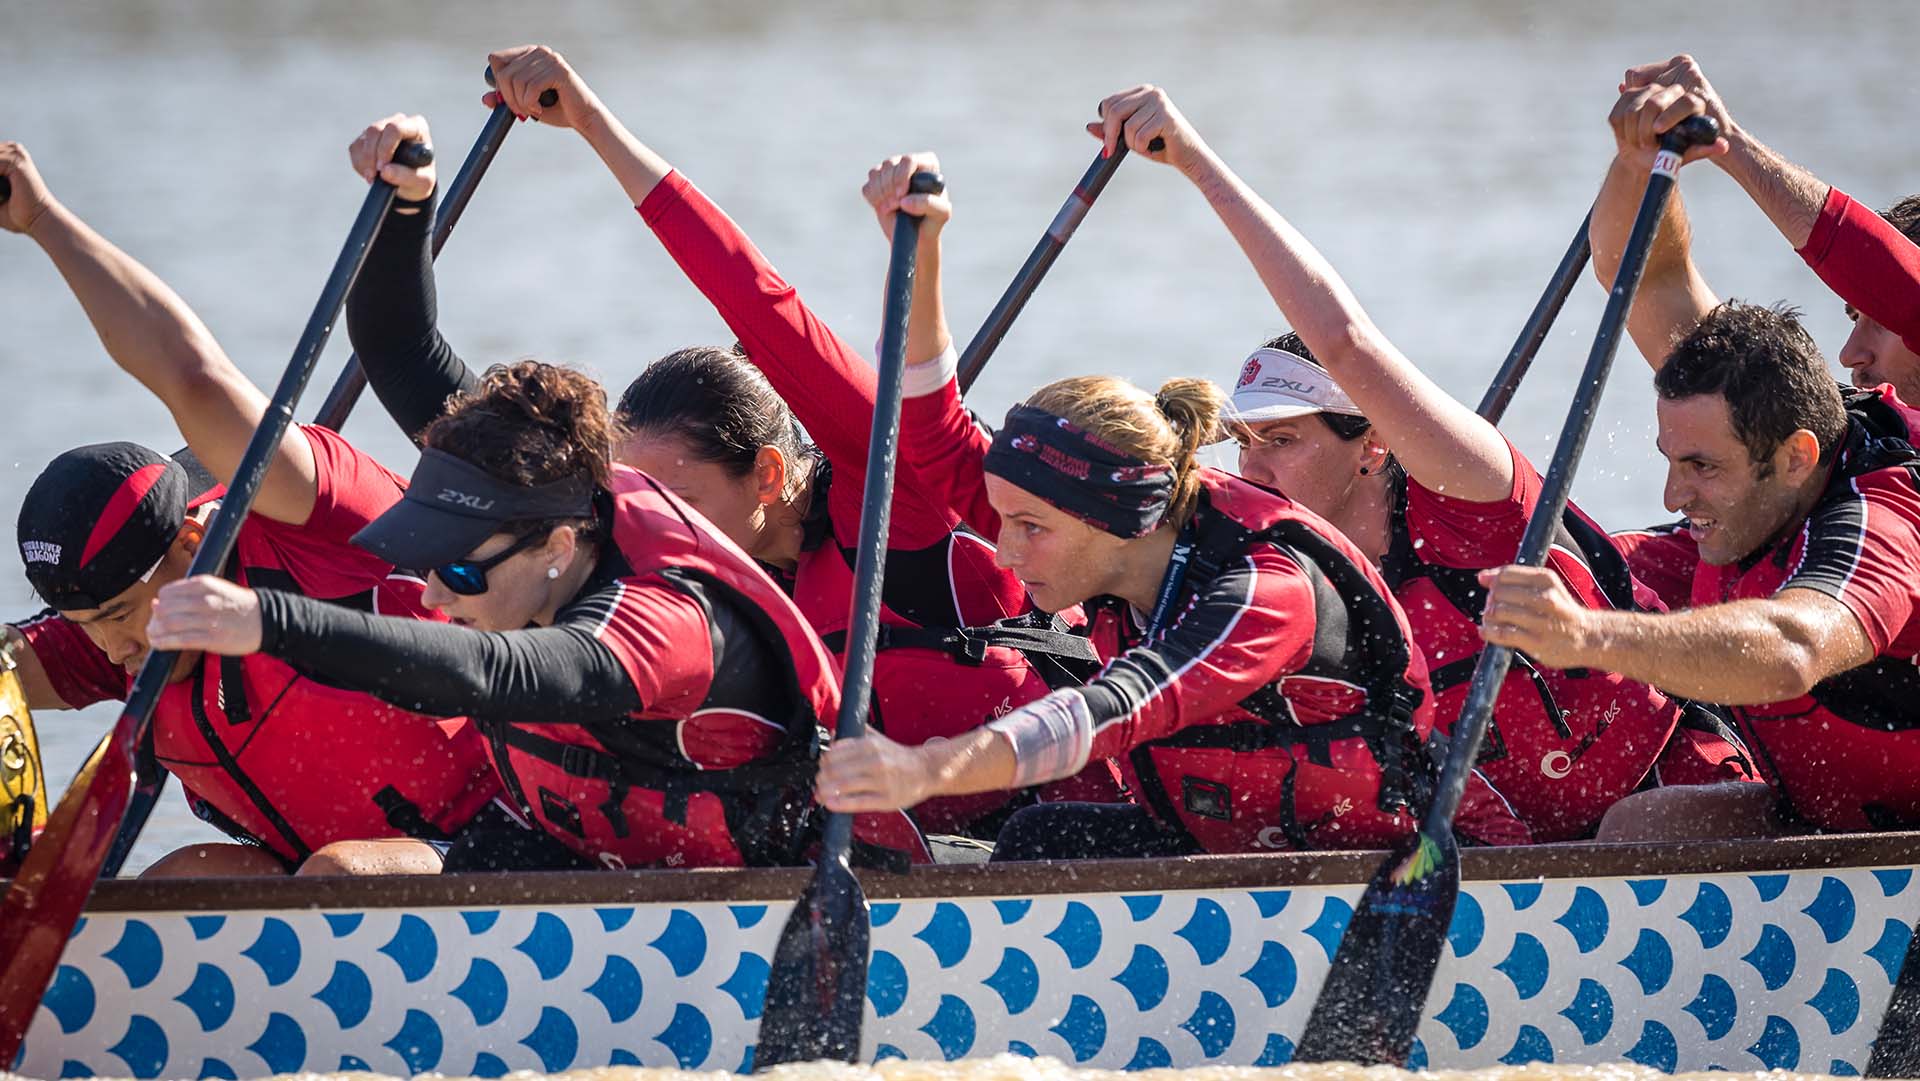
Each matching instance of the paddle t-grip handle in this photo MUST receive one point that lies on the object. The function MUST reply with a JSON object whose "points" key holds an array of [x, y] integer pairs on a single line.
{"points": [[414, 155], [6, 189], [548, 97], [926, 184], [1691, 132]]}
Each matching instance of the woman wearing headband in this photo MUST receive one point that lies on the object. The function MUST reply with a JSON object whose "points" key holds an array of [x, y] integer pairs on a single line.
{"points": [[580, 594], [714, 426], [1260, 691], [301, 773], [1432, 494]]}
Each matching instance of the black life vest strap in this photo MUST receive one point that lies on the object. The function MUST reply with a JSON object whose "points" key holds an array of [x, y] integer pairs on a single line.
{"points": [[230, 764], [405, 816], [969, 645]]}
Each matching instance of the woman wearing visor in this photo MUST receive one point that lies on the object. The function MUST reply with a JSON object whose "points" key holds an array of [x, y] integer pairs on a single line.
{"points": [[1433, 494], [578, 593]]}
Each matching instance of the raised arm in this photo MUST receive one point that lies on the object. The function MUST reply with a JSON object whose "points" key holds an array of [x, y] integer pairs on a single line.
{"points": [[393, 312], [152, 335], [1440, 442]]}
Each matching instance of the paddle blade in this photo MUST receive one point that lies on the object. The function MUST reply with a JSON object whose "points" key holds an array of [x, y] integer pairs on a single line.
{"points": [[45, 901], [817, 988], [1374, 995]]}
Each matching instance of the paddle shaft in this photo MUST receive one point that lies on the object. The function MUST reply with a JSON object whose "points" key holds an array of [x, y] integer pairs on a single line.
{"points": [[39, 911], [883, 452], [1490, 671], [1493, 405], [353, 378], [1039, 261]]}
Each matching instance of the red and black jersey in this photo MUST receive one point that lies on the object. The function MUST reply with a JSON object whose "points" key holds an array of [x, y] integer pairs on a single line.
{"points": [[290, 762], [1844, 757], [940, 576]]}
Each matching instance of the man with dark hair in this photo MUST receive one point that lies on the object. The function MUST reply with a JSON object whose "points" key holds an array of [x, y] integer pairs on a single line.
{"points": [[1801, 501]]}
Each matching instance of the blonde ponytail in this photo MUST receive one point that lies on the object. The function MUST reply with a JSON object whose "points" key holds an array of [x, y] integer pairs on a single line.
{"points": [[1192, 407]]}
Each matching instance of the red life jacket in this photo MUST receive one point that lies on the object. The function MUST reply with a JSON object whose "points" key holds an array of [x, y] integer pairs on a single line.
{"points": [[1234, 782], [270, 756], [942, 681], [1845, 756], [1563, 745], [653, 805]]}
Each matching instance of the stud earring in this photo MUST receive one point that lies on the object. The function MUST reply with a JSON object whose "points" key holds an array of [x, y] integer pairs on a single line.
{"points": [[1365, 472], [553, 572]]}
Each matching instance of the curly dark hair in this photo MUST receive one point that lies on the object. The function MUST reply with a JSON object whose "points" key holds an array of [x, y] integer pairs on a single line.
{"points": [[530, 423], [1764, 363], [1905, 216]]}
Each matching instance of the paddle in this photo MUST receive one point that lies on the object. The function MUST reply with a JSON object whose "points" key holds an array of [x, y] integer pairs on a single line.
{"points": [[333, 412], [987, 338], [1493, 405], [817, 987], [1371, 1004], [353, 379], [39, 911]]}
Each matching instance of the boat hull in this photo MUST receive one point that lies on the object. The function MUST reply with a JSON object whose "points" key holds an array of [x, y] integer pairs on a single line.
{"points": [[1742, 957]]}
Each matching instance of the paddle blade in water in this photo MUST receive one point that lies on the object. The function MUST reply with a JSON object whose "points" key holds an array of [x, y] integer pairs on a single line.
{"points": [[817, 987], [1371, 1003], [45, 901]]}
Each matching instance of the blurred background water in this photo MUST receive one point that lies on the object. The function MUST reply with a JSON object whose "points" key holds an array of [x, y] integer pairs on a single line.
{"points": [[1440, 154]]}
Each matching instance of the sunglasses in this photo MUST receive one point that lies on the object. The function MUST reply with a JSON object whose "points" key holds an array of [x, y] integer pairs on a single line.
{"points": [[468, 577]]}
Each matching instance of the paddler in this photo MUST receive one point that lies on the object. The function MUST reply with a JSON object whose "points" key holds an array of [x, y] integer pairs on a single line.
{"points": [[651, 697], [1430, 493], [722, 429], [303, 774]]}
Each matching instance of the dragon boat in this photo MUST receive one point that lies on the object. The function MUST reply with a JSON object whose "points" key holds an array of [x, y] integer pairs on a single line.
{"points": [[1741, 956]]}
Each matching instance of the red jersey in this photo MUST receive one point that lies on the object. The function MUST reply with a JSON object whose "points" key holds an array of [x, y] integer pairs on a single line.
{"points": [[1843, 757], [1868, 263], [275, 757], [938, 575]]}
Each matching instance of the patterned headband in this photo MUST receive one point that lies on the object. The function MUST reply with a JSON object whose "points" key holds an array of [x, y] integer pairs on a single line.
{"points": [[1079, 473]]}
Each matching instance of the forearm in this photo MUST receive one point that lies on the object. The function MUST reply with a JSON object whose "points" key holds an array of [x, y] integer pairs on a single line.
{"points": [[1739, 653], [1672, 295], [633, 163], [1790, 196], [146, 328], [392, 320], [927, 335], [980, 760], [1440, 441], [549, 673]]}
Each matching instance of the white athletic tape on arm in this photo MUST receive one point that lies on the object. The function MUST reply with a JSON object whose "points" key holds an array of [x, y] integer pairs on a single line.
{"points": [[1051, 738], [925, 377]]}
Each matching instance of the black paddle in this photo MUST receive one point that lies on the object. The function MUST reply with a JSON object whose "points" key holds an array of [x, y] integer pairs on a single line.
{"points": [[1371, 1004], [151, 776], [1493, 405], [40, 909], [817, 987], [346, 390], [1059, 231]]}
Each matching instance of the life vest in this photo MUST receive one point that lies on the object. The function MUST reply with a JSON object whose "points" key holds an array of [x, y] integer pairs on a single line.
{"points": [[942, 681], [275, 758], [23, 784], [650, 804], [1563, 745], [1843, 757], [1234, 782]]}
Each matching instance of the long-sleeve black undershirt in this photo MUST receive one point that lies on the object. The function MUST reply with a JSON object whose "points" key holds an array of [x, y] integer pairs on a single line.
{"points": [[558, 674], [392, 316]]}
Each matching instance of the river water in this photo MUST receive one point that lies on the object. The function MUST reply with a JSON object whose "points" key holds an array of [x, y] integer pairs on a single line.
{"points": [[1439, 154]]}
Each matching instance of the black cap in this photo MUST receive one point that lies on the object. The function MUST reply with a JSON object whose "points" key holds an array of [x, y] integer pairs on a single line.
{"points": [[100, 518], [452, 506]]}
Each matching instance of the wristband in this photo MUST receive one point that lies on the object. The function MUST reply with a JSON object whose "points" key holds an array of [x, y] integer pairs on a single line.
{"points": [[1051, 738]]}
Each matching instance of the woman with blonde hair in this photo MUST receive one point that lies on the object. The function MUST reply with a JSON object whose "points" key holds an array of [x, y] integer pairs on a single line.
{"points": [[1259, 690]]}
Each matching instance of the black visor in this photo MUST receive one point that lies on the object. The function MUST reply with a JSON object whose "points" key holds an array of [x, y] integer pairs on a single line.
{"points": [[452, 506]]}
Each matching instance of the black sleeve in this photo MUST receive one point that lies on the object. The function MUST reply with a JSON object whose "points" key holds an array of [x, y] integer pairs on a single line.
{"points": [[391, 316], [560, 674]]}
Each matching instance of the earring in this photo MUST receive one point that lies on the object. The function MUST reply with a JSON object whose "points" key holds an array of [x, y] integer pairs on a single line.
{"points": [[553, 572], [1365, 472]]}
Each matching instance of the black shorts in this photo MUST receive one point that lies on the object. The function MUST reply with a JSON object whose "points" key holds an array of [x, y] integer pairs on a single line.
{"points": [[495, 840]]}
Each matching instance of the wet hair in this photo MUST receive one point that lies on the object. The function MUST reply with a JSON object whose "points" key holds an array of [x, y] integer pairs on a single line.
{"points": [[1345, 425], [1905, 216], [1764, 363], [531, 423], [721, 406], [1165, 428]]}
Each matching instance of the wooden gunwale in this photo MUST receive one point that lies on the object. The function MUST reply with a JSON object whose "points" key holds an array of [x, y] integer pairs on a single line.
{"points": [[1278, 870]]}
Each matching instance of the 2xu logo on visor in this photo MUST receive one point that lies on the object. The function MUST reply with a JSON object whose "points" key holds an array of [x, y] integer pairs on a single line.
{"points": [[462, 499]]}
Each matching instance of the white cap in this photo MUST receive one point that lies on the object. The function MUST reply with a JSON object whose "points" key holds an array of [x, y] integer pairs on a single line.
{"points": [[1275, 384]]}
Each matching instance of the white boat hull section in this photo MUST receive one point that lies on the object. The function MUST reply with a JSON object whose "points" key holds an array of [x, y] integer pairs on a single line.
{"points": [[1744, 972]]}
